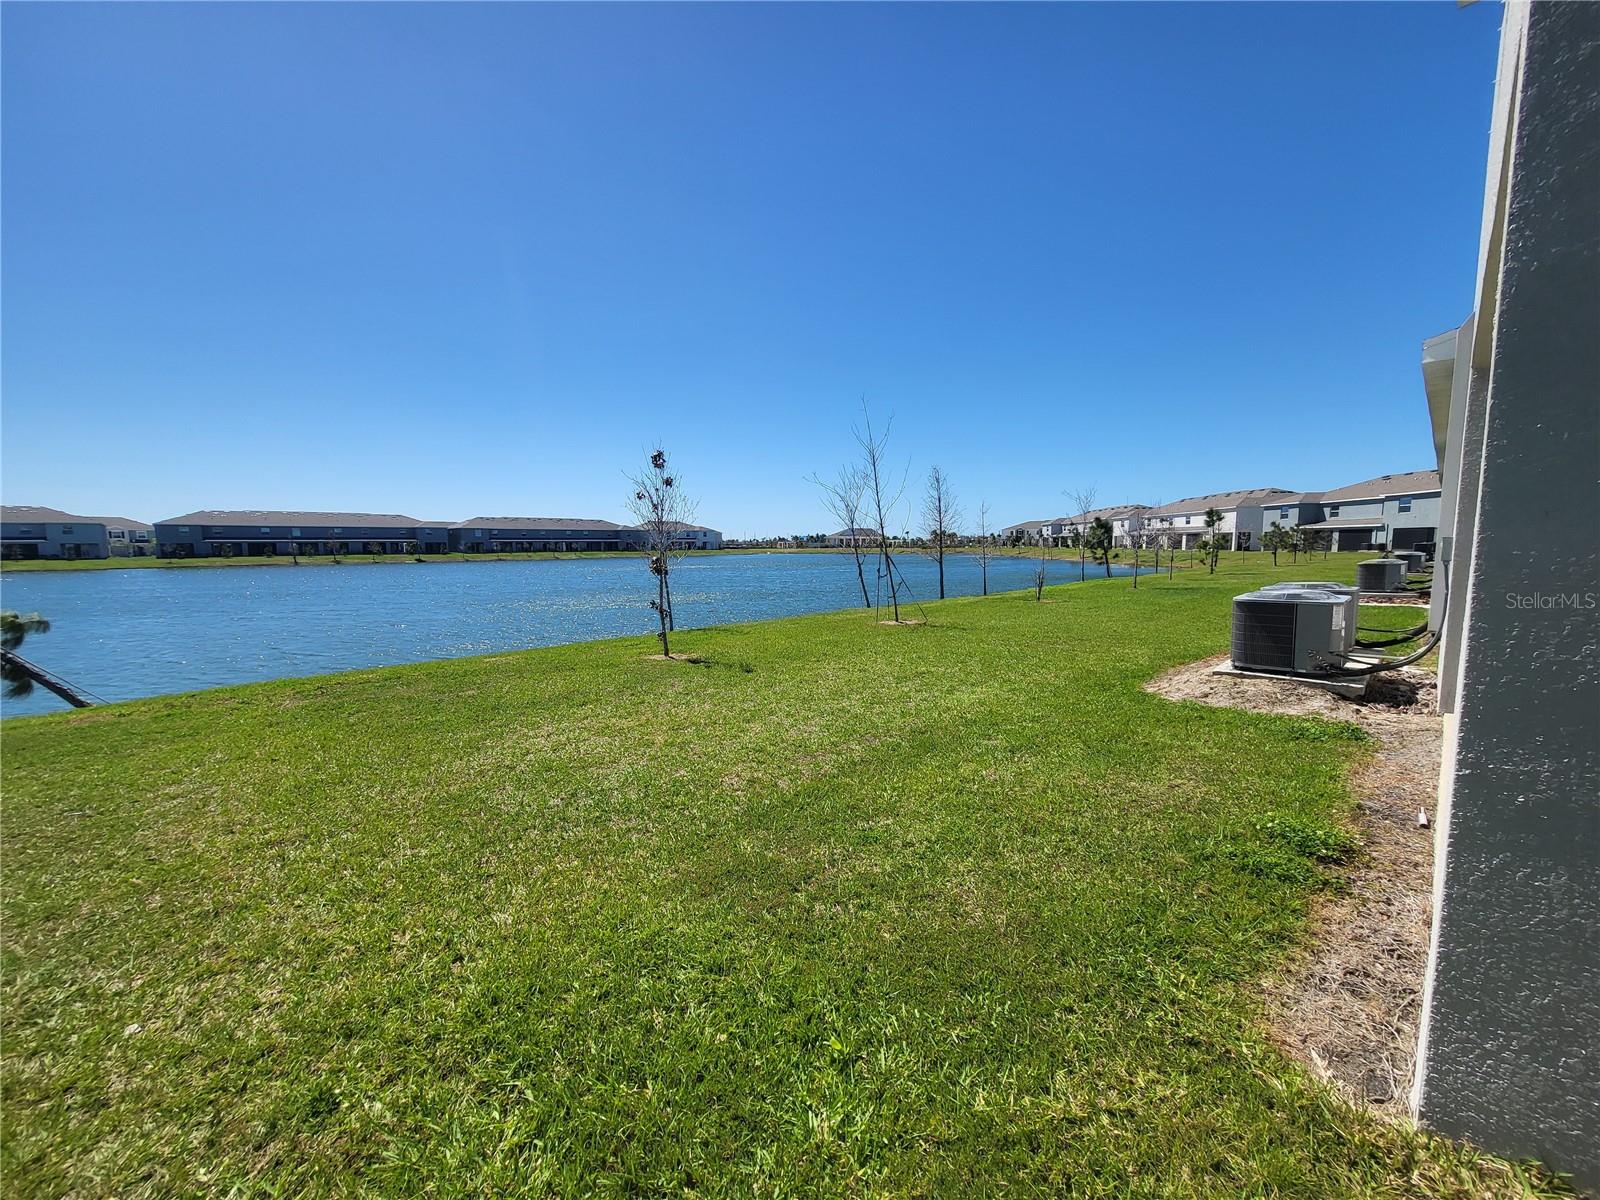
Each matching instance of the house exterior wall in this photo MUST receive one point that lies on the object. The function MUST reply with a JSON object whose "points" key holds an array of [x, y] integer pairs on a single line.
{"points": [[208, 541], [1406, 529], [488, 538], [54, 539], [1191, 526], [123, 542], [1511, 1001], [1289, 515]]}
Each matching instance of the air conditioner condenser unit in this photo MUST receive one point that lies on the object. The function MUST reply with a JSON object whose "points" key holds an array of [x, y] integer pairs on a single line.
{"points": [[1352, 597], [1293, 632]]}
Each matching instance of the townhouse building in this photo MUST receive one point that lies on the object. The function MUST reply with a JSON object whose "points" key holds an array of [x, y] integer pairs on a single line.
{"points": [[495, 535], [1243, 517], [1124, 519], [211, 533], [31, 531], [127, 538], [263, 532], [1394, 512]]}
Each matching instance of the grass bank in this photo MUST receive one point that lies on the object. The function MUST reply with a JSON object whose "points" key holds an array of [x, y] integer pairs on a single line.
{"points": [[838, 909]]}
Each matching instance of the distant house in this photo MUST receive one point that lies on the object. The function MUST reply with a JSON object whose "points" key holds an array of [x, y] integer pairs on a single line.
{"points": [[227, 532], [1395, 512], [854, 536], [126, 537], [1024, 533], [28, 531], [1297, 508], [696, 537], [516, 535], [1243, 516], [1124, 520]]}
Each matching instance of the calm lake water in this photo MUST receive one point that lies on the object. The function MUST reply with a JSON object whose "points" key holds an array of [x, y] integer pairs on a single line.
{"points": [[132, 633]]}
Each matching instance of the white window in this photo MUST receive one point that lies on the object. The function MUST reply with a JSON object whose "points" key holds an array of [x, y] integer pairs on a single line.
{"points": [[1333, 510], [1188, 520], [266, 529], [295, 532], [477, 533], [183, 529], [68, 529], [1405, 503], [1283, 513]]}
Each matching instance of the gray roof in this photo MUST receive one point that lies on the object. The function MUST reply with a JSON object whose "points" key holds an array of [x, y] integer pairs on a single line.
{"points": [[535, 523], [855, 532], [1223, 501], [263, 516], [1385, 485], [1110, 513], [1026, 525], [1295, 498], [25, 513], [37, 515]]}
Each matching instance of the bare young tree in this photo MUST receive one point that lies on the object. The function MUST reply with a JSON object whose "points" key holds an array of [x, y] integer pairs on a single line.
{"points": [[661, 511], [881, 496], [843, 497], [1082, 503], [1040, 570], [1139, 536], [940, 515], [985, 550]]}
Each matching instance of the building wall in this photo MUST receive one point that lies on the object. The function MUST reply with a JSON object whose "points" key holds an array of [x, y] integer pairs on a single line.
{"points": [[55, 539], [492, 539], [208, 541], [1511, 1004], [1406, 529], [129, 543]]}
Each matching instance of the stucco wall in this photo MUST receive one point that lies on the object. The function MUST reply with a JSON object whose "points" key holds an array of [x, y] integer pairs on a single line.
{"points": [[1512, 1002]]}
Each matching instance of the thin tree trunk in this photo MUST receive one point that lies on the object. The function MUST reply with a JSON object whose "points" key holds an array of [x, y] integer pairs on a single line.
{"points": [[861, 574], [941, 566], [888, 568], [43, 679]]}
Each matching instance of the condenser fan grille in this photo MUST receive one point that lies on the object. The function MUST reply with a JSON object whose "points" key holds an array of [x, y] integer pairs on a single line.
{"points": [[1263, 634]]}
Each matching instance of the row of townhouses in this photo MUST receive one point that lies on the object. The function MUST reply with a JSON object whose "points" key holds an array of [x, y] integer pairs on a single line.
{"points": [[30, 532], [48, 533], [1395, 512]]}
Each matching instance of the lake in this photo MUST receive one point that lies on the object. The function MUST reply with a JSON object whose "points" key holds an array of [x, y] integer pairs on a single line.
{"points": [[125, 634]]}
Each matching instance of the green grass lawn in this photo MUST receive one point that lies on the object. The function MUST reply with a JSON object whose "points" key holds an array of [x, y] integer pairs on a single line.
{"points": [[842, 909]]}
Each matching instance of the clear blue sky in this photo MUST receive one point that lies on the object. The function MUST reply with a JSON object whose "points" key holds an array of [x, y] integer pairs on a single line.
{"points": [[471, 259]]}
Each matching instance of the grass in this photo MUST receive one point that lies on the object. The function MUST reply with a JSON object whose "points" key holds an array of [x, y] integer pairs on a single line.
{"points": [[838, 909]]}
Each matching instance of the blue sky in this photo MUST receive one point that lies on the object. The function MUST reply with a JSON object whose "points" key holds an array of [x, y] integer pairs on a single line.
{"points": [[463, 260]]}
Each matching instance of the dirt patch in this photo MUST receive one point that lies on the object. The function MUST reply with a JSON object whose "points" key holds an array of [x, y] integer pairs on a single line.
{"points": [[1402, 599], [907, 621], [1348, 1006]]}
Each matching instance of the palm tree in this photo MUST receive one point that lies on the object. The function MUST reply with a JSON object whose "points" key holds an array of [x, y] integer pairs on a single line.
{"points": [[14, 628]]}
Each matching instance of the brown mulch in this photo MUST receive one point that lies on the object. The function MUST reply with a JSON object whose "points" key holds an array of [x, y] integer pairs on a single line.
{"points": [[1348, 1006]]}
